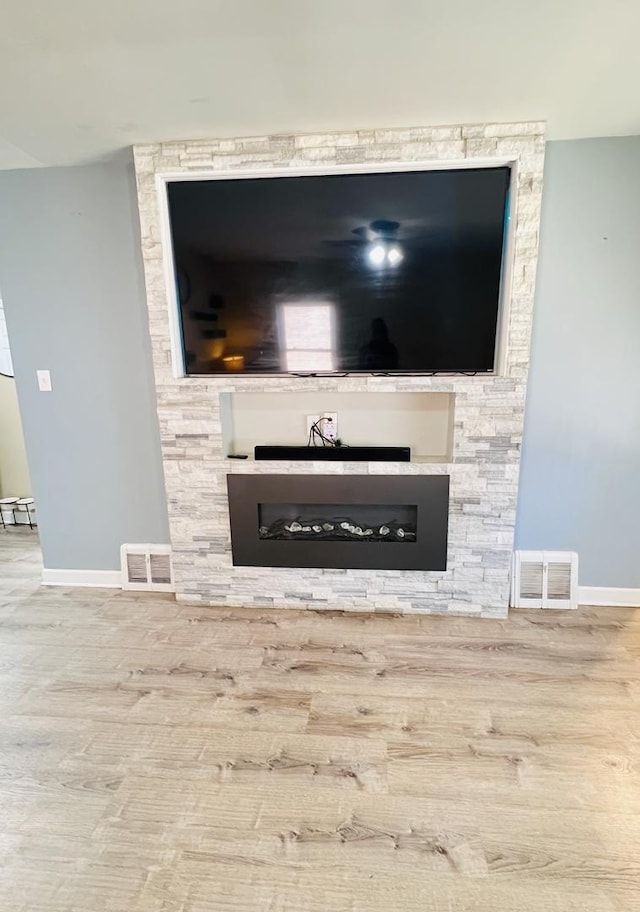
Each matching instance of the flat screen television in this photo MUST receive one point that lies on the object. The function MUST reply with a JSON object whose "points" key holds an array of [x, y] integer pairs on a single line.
{"points": [[377, 273]]}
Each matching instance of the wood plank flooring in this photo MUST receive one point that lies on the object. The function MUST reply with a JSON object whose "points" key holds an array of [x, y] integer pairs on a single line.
{"points": [[165, 758]]}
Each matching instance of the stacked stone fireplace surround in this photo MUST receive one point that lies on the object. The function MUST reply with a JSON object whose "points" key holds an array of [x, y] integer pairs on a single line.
{"points": [[489, 410]]}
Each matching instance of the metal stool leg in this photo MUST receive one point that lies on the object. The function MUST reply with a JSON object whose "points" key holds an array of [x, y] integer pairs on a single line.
{"points": [[9, 504]]}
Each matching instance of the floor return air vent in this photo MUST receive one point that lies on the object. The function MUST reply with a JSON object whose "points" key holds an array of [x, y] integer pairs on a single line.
{"points": [[544, 579], [146, 568]]}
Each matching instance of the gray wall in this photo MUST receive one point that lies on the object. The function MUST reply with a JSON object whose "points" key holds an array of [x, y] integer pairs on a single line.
{"points": [[580, 475], [71, 279]]}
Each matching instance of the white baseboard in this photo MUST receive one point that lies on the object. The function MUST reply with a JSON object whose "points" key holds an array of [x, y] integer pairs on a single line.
{"points": [[609, 596], [111, 579]]}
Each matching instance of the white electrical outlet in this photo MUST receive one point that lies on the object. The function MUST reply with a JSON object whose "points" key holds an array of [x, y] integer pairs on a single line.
{"points": [[329, 425]]}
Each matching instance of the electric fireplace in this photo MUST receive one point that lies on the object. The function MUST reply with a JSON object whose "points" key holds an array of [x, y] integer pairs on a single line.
{"points": [[390, 522]]}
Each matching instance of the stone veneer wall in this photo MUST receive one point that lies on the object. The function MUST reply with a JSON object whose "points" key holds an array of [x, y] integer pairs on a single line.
{"points": [[488, 409]]}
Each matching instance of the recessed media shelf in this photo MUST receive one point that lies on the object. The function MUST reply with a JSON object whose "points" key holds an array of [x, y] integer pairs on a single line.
{"points": [[422, 421]]}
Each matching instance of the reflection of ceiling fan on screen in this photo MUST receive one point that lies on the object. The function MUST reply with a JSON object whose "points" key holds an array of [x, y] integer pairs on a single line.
{"points": [[6, 365], [379, 240]]}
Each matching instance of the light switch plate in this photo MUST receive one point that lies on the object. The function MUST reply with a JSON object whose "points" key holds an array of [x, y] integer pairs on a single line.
{"points": [[44, 381]]}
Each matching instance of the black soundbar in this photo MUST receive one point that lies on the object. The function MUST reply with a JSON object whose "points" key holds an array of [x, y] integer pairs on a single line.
{"points": [[336, 454]]}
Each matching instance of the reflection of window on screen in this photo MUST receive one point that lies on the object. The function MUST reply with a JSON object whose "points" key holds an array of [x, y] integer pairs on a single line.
{"points": [[6, 367], [308, 334]]}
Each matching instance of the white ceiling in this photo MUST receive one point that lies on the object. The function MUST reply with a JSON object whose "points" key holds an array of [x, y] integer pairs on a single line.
{"points": [[81, 79]]}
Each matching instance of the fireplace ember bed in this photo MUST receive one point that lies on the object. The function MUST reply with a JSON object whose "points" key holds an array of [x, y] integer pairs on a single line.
{"points": [[387, 522]]}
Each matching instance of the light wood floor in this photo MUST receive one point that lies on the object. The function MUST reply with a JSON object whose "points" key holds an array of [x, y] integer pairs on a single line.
{"points": [[158, 758]]}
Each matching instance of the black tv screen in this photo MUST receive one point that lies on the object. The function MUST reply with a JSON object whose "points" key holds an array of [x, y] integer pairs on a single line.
{"points": [[395, 272]]}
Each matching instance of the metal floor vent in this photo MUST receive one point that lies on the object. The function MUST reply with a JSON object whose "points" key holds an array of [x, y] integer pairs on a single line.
{"points": [[146, 567], [544, 579]]}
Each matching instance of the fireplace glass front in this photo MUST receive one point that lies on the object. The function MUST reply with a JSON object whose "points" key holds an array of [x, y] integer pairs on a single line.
{"points": [[341, 521], [338, 522]]}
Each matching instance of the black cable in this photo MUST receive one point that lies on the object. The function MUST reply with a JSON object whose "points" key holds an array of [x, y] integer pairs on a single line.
{"points": [[321, 374], [433, 373], [317, 433], [314, 431]]}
